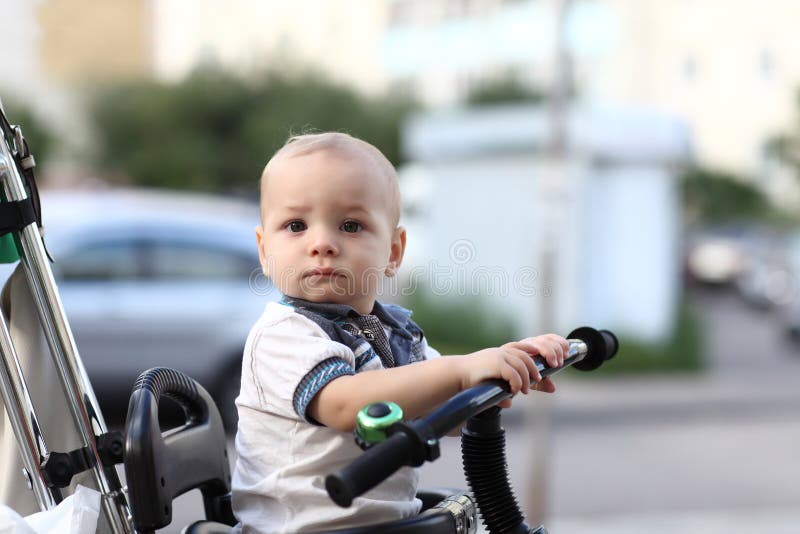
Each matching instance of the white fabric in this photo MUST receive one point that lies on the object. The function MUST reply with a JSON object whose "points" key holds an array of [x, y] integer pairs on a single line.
{"points": [[77, 514], [278, 480]]}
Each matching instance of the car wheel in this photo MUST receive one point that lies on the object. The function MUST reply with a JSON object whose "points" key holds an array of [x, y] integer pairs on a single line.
{"points": [[227, 391]]}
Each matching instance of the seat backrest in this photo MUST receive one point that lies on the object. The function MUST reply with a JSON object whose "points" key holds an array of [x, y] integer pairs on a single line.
{"points": [[161, 466], [42, 379]]}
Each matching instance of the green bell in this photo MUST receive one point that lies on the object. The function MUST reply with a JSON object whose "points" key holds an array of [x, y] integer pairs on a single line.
{"points": [[373, 421]]}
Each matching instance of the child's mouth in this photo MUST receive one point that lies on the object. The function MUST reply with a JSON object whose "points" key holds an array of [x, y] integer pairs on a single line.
{"points": [[322, 274]]}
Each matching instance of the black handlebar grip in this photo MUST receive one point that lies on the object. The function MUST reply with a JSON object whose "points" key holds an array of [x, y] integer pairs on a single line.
{"points": [[612, 343], [601, 345], [369, 469]]}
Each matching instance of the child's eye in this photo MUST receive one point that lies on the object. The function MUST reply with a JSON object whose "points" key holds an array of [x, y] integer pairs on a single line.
{"points": [[350, 227], [296, 226]]}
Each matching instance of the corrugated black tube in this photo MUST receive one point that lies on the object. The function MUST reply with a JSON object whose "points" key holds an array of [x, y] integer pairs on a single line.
{"points": [[483, 449]]}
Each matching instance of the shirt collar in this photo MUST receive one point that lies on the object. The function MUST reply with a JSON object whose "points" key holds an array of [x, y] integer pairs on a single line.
{"points": [[332, 310]]}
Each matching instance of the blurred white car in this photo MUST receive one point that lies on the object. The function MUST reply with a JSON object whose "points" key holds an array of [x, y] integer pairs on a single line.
{"points": [[714, 256], [157, 279], [767, 276]]}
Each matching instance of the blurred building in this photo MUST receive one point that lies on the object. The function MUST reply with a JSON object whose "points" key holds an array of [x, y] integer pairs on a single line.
{"points": [[84, 43], [20, 68], [70, 45], [61, 48], [730, 69], [339, 37], [592, 239], [442, 49], [22, 77]]}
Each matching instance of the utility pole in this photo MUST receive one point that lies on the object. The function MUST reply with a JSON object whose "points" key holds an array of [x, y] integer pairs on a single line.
{"points": [[551, 193]]}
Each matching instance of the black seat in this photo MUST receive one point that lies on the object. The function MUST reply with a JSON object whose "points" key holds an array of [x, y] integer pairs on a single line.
{"points": [[433, 523]]}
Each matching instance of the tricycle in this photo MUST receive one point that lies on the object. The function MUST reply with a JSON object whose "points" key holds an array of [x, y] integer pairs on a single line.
{"points": [[47, 396]]}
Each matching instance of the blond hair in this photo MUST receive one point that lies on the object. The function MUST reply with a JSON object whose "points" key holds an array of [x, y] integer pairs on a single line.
{"points": [[300, 145]]}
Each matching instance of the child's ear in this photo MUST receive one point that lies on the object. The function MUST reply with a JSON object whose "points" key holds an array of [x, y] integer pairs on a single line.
{"points": [[397, 251], [262, 255]]}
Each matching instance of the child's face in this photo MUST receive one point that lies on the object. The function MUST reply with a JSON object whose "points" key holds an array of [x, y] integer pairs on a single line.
{"points": [[328, 229]]}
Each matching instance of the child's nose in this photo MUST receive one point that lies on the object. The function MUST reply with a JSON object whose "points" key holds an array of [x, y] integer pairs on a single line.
{"points": [[323, 244]]}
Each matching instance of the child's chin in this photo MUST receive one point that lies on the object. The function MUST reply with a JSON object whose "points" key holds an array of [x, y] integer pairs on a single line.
{"points": [[326, 296], [334, 298]]}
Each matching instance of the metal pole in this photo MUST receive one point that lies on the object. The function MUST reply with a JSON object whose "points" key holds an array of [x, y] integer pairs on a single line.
{"points": [[80, 397], [22, 416], [551, 191]]}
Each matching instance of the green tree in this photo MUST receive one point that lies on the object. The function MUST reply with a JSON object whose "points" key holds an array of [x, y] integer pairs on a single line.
{"points": [[505, 89], [214, 130], [719, 197], [41, 140], [459, 325]]}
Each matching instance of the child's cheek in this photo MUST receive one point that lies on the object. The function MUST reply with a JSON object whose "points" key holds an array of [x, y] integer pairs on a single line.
{"points": [[268, 264]]}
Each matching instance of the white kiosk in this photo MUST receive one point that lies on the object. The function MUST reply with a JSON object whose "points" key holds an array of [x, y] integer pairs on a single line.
{"points": [[481, 201]]}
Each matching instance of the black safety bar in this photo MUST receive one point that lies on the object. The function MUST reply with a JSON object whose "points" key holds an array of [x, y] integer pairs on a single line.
{"points": [[159, 467]]}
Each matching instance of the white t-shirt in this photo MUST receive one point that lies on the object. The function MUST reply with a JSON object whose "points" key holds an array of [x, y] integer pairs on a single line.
{"points": [[283, 457]]}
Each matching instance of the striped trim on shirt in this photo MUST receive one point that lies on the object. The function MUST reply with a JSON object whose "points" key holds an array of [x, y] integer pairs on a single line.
{"points": [[364, 354], [316, 379]]}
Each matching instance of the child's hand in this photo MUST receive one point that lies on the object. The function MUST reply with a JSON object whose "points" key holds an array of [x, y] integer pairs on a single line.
{"points": [[552, 347], [512, 364]]}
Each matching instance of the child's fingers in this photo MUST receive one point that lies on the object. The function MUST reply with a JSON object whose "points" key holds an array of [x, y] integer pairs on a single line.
{"points": [[546, 346], [530, 365], [545, 386], [518, 371], [561, 347], [564, 344], [519, 363], [533, 371], [510, 375]]}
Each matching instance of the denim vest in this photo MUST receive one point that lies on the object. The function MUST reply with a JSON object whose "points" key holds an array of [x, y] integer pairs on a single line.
{"points": [[343, 324]]}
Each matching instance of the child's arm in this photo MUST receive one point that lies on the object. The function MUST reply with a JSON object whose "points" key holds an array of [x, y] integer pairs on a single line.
{"points": [[421, 386]]}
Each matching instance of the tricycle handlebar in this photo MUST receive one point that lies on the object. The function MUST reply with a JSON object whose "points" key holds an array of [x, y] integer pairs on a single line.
{"points": [[415, 442]]}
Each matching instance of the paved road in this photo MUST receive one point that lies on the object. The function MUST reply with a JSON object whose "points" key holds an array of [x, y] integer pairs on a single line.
{"points": [[715, 453], [698, 454]]}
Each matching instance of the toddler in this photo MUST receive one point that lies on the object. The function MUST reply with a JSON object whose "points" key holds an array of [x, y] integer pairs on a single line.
{"points": [[329, 236]]}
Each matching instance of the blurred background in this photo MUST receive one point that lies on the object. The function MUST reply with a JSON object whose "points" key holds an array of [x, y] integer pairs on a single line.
{"points": [[628, 164]]}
